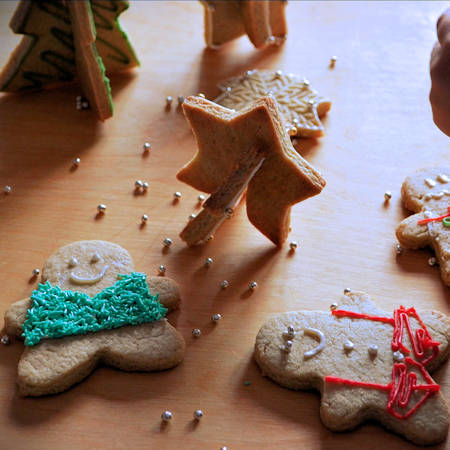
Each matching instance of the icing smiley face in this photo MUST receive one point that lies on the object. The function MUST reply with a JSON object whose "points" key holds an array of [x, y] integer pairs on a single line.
{"points": [[86, 280], [87, 266]]}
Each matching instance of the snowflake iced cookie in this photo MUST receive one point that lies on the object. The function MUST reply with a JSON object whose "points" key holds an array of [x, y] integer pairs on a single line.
{"points": [[368, 364], [263, 21], [67, 40], [301, 107], [92, 308], [427, 193]]}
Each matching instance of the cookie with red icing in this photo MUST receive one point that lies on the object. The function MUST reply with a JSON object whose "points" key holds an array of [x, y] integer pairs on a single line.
{"points": [[368, 364], [427, 194]]}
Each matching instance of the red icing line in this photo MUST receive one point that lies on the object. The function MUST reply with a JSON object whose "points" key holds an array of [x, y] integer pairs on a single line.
{"points": [[400, 393], [432, 219], [421, 340]]}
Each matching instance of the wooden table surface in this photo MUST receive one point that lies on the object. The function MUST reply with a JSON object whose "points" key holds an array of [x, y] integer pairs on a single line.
{"points": [[378, 131]]}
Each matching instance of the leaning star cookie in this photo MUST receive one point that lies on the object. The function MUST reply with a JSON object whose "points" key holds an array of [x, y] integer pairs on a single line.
{"points": [[47, 54], [93, 309], [427, 193], [367, 364], [245, 148], [301, 107], [263, 21]]}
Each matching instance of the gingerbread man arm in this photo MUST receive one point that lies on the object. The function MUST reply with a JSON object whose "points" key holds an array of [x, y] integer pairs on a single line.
{"points": [[412, 235]]}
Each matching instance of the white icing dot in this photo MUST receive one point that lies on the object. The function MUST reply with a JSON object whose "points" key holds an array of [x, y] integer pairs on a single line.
{"points": [[348, 346], [429, 182], [438, 195], [73, 262], [95, 258], [398, 356], [442, 178]]}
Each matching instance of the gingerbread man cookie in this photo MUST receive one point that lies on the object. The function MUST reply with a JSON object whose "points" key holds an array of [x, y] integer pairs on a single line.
{"points": [[427, 193], [368, 364], [93, 309]]}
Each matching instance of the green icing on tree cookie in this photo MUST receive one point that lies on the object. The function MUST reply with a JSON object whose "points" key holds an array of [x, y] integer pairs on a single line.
{"points": [[46, 54], [55, 313]]}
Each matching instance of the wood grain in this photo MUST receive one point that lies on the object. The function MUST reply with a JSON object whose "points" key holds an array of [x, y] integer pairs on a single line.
{"points": [[378, 131]]}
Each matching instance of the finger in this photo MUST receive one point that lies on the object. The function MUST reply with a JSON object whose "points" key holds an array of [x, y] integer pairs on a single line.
{"points": [[443, 28]]}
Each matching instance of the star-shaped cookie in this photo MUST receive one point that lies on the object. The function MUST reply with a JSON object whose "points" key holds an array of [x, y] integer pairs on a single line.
{"points": [[301, 107], [225, 136], [263, 21], [89, 267], [368, 364], [427, 193]]}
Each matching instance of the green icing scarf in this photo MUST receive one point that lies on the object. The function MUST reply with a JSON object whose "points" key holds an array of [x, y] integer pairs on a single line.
{"points": [[55, 313]]}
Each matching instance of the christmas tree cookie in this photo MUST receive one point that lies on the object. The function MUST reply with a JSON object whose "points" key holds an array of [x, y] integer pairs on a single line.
{"points": [[65, 41], [91, 309]]}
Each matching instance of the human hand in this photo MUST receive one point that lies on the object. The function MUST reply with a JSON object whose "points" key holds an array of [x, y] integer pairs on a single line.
{"points": [[440, 74]]}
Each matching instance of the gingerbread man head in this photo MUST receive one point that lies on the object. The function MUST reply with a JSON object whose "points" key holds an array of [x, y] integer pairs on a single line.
{"points": [[427, 193]]}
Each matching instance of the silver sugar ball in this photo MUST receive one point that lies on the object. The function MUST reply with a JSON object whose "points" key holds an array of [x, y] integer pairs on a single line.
{"points": [[147, 146], [373, 350], [347, 291], [144, 218], [145, 185], [196, 332], [177, 195], [5, 340], [162, 269], [201, 198], [208, 262], [348, 346], [167, 242], [101, 208], [398, 356], [253, 285], [387, 195], [169, 100], [192, 216], [432, 261], [7, 189], [36, 272], [399, 249], [138, 184], [76, 162], [290, 331], [166, 416], [180, 99], [293, 245], [333, 306], [198, 414], [216, 317], [224, 284]]}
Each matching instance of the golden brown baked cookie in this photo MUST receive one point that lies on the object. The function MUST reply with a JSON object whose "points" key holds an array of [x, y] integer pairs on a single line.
{"points": [[427, 193], [225, 136], [367, 364], [55, 364], [263, 21], [301, 107]]}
